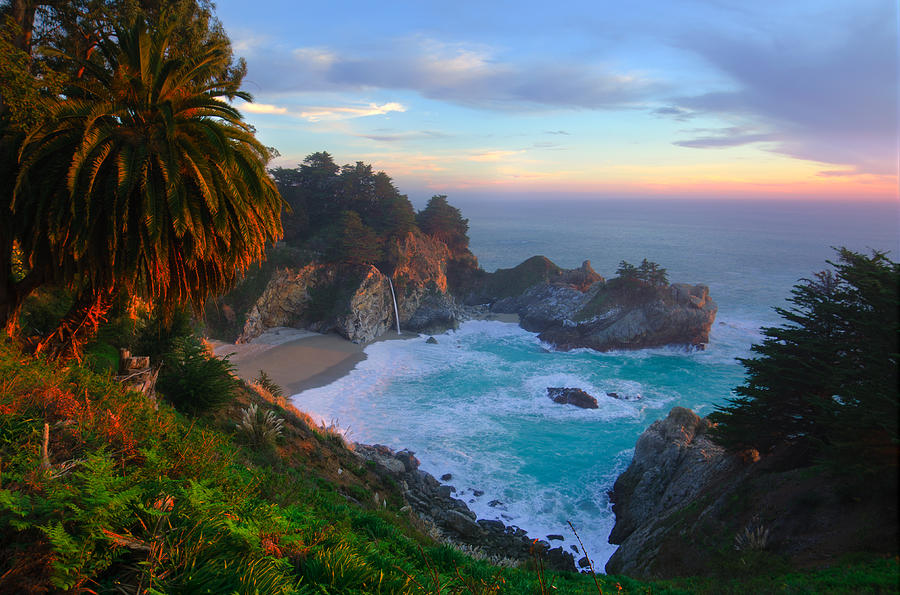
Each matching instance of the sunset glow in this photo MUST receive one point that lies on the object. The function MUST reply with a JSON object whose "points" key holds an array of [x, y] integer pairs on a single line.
{"points": [[726, 100]]}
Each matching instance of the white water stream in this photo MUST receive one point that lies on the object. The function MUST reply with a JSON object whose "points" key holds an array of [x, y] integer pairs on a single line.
{"points": [[394, 297]]}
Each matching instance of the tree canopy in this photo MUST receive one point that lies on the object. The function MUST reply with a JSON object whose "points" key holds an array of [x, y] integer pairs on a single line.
{"points": [[442, 221], [141, 177], [827, 378]]}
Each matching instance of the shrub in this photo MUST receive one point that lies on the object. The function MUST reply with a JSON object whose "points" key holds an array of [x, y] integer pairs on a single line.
{"points": [[266, 382], [192, 380], [258, 428]]}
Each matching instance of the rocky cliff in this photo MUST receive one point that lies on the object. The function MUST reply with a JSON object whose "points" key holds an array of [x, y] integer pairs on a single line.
{"points": [[678, 314], [355, 301], [578, 308], [686, 507], [435, 504]]}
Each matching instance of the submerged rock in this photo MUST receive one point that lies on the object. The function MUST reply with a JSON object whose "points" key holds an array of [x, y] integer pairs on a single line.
{"points": [[572, 396], [431, 341]]}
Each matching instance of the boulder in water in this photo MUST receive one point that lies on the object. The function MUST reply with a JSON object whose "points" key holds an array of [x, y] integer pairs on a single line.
{"points": [[431, 341], [572, 396]]}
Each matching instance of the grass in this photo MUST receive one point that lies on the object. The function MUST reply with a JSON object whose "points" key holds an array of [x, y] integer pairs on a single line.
{"points": [[143, 499]]}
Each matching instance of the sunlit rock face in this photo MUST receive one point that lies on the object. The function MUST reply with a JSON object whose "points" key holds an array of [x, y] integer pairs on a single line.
{"points": [[369, 311], [356, 301], [289, 299]]}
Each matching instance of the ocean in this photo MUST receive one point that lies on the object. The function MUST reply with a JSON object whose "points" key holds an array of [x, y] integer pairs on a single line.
{"points": [[475, 405]]}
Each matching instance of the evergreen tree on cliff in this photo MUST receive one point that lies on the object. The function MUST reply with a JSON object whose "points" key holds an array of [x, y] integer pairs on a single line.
{"points": [[143, 179], [358, 243], [827, 379], [445, 223]]}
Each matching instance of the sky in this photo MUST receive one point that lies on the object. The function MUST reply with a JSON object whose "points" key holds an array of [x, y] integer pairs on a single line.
{"points": [[647, 98]]}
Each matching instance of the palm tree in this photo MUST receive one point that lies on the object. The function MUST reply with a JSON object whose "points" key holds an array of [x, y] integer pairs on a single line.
{"points": [[145, 180]]}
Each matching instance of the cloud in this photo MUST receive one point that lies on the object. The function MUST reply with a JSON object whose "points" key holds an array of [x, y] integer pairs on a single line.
{"points": [[726, 137], [317, 114], [671, 111], [563, 132], [838, 173], [466, 74], [263, 108], [390, 137], [321, 113], [492, 155], [830, 99]]}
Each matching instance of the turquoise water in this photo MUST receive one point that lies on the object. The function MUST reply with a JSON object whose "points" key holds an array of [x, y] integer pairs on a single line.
{"points": [[475, 404]]}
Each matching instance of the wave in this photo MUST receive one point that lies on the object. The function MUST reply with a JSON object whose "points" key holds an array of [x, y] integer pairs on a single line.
{"points": [[475, 405]]}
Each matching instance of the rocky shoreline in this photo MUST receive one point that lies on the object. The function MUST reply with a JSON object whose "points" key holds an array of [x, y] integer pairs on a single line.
{"points": [[434, 503]]}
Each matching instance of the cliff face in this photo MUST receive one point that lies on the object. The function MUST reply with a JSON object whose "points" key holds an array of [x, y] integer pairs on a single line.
{"points": [[356, 302], [578, 308], [680, 314], [686, 507]]}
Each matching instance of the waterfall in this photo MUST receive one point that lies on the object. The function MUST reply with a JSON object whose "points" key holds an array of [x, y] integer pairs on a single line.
{"points": [[394, 297]]}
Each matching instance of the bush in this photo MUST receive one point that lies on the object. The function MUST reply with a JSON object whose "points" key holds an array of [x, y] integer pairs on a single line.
{"points": [[192, 380], [258, 428]]}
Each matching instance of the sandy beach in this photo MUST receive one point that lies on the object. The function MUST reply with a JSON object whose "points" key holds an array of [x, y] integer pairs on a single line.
{"points": [[295, 359], [298, 360]]}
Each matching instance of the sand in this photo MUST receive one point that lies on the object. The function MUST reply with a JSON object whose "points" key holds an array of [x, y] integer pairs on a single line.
{"points": [[298, 360], [295, 359]]}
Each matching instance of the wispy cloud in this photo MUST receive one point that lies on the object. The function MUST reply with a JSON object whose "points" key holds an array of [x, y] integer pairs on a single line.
{"points": [[828, 100], [263, 108], [473, 75], [317, 114], [410, 135], [492, 155], [726, 137], [325, 113], [671, 111]]}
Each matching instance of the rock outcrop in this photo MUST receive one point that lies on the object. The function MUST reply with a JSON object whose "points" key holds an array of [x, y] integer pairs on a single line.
{"points": [[578, 308], [676, 315], [686, 507], [504, 286], [434, 503], [355, 301], [673, 460], [572, 396]]}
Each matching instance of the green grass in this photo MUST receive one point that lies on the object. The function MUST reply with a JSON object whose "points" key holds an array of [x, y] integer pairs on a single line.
{"points": [[139, 499]]}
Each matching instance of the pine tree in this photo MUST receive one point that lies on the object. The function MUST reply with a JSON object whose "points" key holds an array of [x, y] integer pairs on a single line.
{"points": [[358, 243], [827, 379], [445, 223]]}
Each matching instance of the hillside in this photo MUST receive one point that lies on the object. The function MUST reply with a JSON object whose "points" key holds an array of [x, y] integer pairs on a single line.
{"points": [[133, 495]]}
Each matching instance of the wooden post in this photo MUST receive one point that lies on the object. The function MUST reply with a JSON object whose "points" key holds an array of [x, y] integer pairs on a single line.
{"points": [[45, 454]]}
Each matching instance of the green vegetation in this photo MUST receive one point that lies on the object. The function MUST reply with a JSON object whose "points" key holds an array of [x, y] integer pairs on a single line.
{"points": [[512, 282], [138, 176], [646, 274], [632, 284], [445, 223], [827, 380], [352, 215], [142, 499]]}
